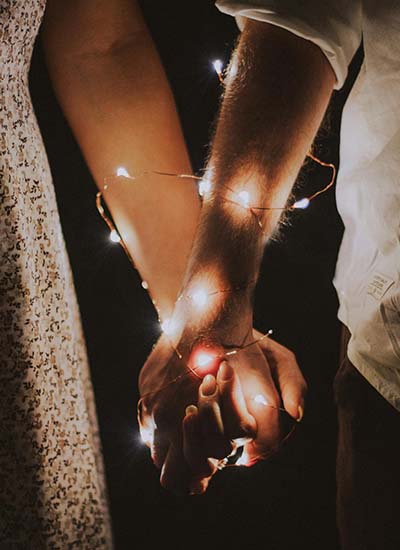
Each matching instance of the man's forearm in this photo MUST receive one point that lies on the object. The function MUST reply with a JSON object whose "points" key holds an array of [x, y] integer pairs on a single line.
{"points": [[277, 90]]}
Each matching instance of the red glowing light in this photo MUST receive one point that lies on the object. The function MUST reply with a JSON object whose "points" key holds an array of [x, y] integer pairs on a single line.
{"points": [[205, 360]]}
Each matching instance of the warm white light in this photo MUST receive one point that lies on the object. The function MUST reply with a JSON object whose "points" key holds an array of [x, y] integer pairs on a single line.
{"points": [[164, 325], [121, 171], [302, 203], [147, 436], [145, 285], [204, 359], [260, 399], [114, 237], [243, 460], [199, 298], [204, 187], [244, 198], [169, 327], [217, 64]]}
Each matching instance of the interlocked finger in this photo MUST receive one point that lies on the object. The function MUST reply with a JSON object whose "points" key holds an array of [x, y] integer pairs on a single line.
{"points": [[239, 424], [216, 443]]}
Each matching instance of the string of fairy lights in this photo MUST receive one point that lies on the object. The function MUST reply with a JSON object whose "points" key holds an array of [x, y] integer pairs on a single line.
{"points": [[202, 357]]}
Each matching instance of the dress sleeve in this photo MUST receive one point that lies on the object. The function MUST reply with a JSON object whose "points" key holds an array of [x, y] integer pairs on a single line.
{"points": [[333, 25]]}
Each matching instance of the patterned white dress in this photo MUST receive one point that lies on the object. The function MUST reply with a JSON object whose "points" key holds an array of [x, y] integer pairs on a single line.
{"points": [[52, 491]]}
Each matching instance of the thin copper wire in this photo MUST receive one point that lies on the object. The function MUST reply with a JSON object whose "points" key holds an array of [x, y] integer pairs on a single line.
{"points": [[190, 370], [332, 180], [220, 356], [110, 224], [112, 227]]}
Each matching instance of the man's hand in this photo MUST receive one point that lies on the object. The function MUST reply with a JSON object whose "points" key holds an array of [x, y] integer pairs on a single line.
{"points": [[241, 405], [226, 403]]}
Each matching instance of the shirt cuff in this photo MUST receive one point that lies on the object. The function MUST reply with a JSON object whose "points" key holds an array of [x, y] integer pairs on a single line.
{"points": [[336, 31]]}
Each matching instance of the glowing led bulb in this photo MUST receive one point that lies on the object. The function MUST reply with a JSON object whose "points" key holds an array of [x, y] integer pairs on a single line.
{"points": [[114, 237], [169, 327], [147, 436], [199, 298], [243, 460], [260, 399], [121, 171], [204, 359], [302, 203], [244, 198], [204, 187], [164, 325], [217, 64]]}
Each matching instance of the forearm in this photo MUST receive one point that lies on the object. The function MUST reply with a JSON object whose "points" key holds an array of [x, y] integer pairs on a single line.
{"points": [[277, 90], [110, 83]]}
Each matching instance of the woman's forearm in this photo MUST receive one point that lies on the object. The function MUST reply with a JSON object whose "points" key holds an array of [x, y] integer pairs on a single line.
{"points": [[112, 88]]}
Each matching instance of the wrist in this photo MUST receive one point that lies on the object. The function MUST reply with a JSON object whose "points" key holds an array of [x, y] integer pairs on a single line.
{"points": [[207, 303]]}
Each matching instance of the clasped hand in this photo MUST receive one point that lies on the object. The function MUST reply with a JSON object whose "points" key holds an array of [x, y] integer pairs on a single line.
{"points": [[192, 422]]}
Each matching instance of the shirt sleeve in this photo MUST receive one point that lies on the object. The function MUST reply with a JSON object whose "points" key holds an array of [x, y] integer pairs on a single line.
{"points": [[333, 25]]}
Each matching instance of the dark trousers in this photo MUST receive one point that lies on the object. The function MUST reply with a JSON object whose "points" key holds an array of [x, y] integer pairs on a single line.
{"points": [[368, 464]]}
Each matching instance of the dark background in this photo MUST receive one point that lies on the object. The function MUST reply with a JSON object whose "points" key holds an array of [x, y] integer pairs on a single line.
{"points": [[282, 504]]}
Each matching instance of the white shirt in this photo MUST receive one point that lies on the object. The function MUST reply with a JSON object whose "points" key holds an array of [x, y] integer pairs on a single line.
{"points": [[367, 276]]}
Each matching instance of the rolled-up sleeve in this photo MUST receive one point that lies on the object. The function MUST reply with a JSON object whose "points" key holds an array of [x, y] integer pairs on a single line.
{"points": [[334, 25]]}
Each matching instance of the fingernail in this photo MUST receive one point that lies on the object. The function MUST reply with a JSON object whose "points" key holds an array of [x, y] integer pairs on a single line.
{"points": [[190, 409], [208, 385], [225, 371], [300, 413]]}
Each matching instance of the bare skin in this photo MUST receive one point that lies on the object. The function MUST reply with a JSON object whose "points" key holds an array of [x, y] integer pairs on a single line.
{"points": [[122, 113], [113, 90], [276, 95]]}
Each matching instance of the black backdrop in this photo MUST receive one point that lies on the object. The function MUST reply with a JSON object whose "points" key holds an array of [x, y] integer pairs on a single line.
{"points": [[282, 504]]}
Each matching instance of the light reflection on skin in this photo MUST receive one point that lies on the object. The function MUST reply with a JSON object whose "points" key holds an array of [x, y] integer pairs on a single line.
{"points": [[171, 327], [204, 187], [121, 171], [240, 198], [199, 297], [205, 359], [261, 400], [244, 198], [205, 294], [147, 433]]}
